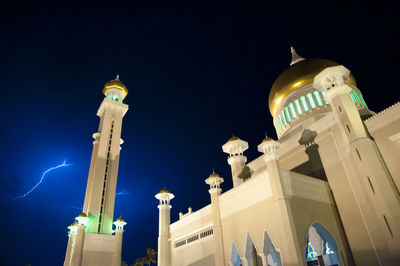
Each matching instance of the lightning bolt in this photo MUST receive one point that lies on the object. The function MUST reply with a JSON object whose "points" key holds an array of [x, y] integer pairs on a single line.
{"points": [[41, 179], [122, 193]]}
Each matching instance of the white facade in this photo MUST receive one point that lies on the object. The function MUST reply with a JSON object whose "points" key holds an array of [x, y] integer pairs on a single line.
{"points": [[92, 241], [325, 193]]}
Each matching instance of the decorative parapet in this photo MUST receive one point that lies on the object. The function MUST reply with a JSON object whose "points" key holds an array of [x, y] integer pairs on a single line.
{"points": [[383, 118], [298, 185]]}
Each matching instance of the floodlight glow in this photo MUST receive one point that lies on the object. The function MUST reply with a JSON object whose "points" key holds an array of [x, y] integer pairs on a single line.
{"points": [[41, 179]]}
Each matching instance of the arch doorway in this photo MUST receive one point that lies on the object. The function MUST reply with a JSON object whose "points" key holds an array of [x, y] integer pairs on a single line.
{"points": [[272, 255], [235, 257], [321, 247]]}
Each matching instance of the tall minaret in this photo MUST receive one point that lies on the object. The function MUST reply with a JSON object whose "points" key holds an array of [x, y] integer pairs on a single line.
{"points": [[90, 239], [164, 246], [102, 180], [235, 148], [375, 238]]}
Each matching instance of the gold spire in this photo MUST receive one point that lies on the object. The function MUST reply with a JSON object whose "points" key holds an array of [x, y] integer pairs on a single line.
{"points": [[295, 57]]}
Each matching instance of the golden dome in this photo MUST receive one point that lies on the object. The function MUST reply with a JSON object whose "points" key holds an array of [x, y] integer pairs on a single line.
{"points": [[119, 219], [82, 215], [164, 190], [115, 84], [214, 174], [297, 75], [266, 139], [233, 138]]}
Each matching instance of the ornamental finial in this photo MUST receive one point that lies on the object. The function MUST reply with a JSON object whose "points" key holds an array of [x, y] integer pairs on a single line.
{"points": [[295, 57], [117, 78]]}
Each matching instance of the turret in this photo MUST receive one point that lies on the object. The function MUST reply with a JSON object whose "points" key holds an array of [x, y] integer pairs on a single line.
{"points": [[164, 246], [214, 180], [119, 230], [235, 148]]}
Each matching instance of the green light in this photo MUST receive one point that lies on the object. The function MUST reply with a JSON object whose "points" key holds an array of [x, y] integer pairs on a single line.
{"points": [[352, 96], [303, 101], [291, 107], [311, 100], [110, 96], [280, 121], [283, 118], [297, 103], [319, 101], [362, 99], [287, 114], [358, 99]]}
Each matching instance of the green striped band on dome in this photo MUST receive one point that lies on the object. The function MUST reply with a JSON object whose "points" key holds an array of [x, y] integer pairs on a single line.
{"points": [[306, 103]]}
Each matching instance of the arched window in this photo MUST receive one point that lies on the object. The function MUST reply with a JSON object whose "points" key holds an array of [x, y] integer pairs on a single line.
{"points": [[283, 118], [280, 122], [311, 100], [319, 101], [298, 108], [304, 102], [110, 96], [291, 107], [287, 114], [352, 96], [362, 99], [116, 98]]}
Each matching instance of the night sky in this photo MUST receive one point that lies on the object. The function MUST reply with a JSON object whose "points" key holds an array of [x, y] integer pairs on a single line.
{"points": [[196, 73]]}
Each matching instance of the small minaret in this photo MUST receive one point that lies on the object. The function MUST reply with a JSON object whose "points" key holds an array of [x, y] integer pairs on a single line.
{"points": [[235, 148], [373, 188], [291, 252], [75, 240], [214, 180], [164, 246], [119, 231]]}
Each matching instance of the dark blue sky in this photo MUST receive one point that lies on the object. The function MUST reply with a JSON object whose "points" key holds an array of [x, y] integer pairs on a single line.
{"points": [[196, 73]]}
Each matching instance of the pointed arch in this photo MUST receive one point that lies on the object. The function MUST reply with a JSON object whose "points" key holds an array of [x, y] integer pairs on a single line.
{"points": [[235, 257], [251, 253], [272, 255], [321, 245]]}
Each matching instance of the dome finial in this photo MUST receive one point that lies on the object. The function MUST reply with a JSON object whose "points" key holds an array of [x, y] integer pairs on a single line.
{"points": [[117, 78], [295, 57]]}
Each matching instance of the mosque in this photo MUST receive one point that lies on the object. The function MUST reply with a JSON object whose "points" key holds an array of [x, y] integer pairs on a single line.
{"points": [[325, 193]]}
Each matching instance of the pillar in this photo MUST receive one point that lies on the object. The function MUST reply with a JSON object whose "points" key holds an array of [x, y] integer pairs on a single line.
{"points": [[291, 252], [214, 180], [164, 246]]}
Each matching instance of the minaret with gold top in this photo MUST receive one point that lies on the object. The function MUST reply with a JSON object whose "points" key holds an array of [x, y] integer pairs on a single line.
{"points": [[92, 240]]}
